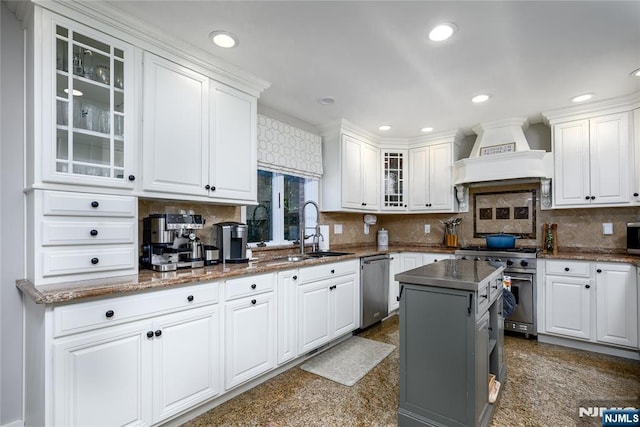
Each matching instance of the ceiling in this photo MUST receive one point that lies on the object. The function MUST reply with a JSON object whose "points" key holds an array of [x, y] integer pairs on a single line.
{"points": [[375, 58]]}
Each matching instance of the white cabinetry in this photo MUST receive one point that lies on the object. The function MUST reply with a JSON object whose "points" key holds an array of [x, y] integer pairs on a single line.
{"points": [[200, 144], [287, 321], [430, 178], [595, 302], [394, 285], [149, 356], [74, 236], [394, 179], [592, 161], [83, 107], [635, 188], [410, 260], [616, 304], [360, 184], [250, 325], [328, 303]]}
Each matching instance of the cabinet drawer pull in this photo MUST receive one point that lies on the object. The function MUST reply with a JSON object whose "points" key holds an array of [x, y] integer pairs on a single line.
{"points": [[132, 178], [593, 197], [253, 286], [94, 261], [598, 271], [94, 232], [333, 271], [207, 187], [587, 286], [253, 302], [158, 333], [190, 298], [586, 197], [95, 204], [567, 269], [364, 204], [149, 334], [485, 296], [295, 277], [109, 313]]}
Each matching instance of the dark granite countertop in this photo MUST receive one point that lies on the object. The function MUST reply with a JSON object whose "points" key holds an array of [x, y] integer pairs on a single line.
{"points": [[579, 254], [465, 275], [149, 280]]}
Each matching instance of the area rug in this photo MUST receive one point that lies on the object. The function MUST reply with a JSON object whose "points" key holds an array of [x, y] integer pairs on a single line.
{"points": [[349, 361]]}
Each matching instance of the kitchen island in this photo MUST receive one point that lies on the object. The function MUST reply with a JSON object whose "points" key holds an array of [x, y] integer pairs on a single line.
{"points": [[451, 340]]}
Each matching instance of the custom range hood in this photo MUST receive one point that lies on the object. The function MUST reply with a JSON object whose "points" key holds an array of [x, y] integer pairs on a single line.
{"points": [[501, 152]]}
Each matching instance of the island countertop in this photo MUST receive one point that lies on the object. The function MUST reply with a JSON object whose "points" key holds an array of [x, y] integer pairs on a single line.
{"points": [[465, 275]]}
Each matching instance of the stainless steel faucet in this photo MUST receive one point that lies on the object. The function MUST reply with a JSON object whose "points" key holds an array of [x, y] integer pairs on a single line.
{"points": [[301, 226]]}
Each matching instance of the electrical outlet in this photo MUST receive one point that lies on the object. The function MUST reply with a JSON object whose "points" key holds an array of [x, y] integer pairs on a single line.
{"points": [[427, 228], [337, 228], [607, 228]]}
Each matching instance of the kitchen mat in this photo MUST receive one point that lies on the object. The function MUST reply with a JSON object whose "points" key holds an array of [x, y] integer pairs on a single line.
{"points": [[349, 361]]}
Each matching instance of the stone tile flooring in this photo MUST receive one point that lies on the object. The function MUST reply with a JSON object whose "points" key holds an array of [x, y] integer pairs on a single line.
{"points": [[546, 385]]}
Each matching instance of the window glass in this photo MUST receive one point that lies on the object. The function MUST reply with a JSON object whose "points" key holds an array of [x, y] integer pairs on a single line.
{"points": [[260, 217], [293, 199]]}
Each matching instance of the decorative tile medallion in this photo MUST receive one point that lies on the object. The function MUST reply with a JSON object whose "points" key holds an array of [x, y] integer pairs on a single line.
{"points": [[515, 213]]}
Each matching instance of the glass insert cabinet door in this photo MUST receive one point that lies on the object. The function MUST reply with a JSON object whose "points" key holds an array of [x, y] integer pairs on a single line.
{"points": [[90, 106], [393, 167]]}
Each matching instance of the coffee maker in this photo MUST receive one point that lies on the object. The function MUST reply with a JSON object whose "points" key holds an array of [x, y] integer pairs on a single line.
{"points": [[169, 242], [231, 239]]}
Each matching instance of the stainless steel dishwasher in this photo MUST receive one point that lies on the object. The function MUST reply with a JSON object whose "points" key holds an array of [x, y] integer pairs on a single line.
{"points": [[374, 289]]}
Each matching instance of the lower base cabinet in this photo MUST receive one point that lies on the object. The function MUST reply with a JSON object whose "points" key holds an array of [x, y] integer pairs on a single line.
{"points": [[138, 373]]}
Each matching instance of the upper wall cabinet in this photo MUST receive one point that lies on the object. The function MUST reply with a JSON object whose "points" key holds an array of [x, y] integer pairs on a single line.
{"points": [[394, 176], [351, 179], [430, 178], [635, 189], [199, 136], [83, 107], [592, 161]]}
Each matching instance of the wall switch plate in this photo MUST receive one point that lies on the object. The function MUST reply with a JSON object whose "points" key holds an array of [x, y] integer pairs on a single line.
{"points": [[337, 228], [427, 228], [607, 228]]}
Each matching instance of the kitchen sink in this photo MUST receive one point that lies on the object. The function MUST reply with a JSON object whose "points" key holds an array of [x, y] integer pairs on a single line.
{"points": [[322, 254]]}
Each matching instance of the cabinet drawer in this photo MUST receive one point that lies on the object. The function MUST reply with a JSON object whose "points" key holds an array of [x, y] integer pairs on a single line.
{"points": [[327, 271], [84, 204], [87, 232], [568, 268], [84, 316], [77, 261], [249, 285], [494, 289]]}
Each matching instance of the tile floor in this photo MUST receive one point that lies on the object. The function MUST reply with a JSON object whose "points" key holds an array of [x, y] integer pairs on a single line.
{"points": [[546, 385]]}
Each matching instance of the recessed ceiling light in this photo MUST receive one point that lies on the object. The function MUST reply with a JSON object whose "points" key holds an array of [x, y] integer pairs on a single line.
{"points": [[442, 32], [480, 98], [224, 39], [427, 129], [384, 127], [326, 100], [582, 98], [74, 92], [636, 73]]}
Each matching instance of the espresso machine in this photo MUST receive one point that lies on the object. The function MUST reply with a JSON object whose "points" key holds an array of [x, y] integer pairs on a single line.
{"points": [[170, 242], [231, 240]]}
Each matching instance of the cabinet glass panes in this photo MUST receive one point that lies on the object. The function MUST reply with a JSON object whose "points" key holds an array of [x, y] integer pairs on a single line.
{"points": [[394, 180], [89, 106]]}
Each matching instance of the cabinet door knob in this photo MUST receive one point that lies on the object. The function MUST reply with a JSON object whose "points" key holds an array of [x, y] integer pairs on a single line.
{"points": [[333, 271], [587, 286], [567, 269], [94, 232], [95, 204], [364, 204], [636, 194], [190, 298], [132, 178], [295, 277], [109, 313], [253, 302], [599, 270], [207, 187], [149, 334], [213, 188], [158, 333], [94, 261], [253, 286], [586, 197]]}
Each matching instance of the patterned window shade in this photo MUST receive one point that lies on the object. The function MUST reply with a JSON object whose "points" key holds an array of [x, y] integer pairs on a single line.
{"points": [[287, 149]]}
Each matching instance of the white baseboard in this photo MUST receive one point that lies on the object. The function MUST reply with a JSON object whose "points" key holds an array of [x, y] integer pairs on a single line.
{"points": [[18, 423], [589, 346]]}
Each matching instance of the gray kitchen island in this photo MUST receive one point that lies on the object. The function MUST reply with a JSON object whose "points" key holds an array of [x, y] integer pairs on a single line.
{"points": [[451, 340]]}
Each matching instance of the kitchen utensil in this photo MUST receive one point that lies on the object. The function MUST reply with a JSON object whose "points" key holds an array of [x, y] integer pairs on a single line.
{"points": [[501, 241]]}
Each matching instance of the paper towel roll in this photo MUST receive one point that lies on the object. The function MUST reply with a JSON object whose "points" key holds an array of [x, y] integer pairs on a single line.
{"points": [[324, 240]]}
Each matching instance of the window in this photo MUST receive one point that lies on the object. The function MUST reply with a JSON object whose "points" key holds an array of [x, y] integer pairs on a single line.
{"points": [[276, 217]]}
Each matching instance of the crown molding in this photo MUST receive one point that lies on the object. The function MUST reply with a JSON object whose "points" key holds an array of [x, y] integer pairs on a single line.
{"points": [[584, 111]]}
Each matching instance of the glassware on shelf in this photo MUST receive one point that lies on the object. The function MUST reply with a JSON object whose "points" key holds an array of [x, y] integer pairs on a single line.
{"points": [[88, 64], [102, 73]]}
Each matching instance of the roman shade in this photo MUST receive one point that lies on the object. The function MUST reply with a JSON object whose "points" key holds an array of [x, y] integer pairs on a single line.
{"points": [[283, 148]]}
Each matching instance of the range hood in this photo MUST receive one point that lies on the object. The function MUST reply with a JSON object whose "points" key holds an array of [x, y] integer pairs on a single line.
{"points": [[501, 152]]}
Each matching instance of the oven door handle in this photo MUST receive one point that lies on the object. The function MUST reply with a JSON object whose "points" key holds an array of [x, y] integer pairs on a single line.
{"points": [[524, 279]]}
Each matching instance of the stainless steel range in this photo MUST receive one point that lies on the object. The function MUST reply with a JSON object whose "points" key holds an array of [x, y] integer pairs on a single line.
{"points": [[520, 264]]}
